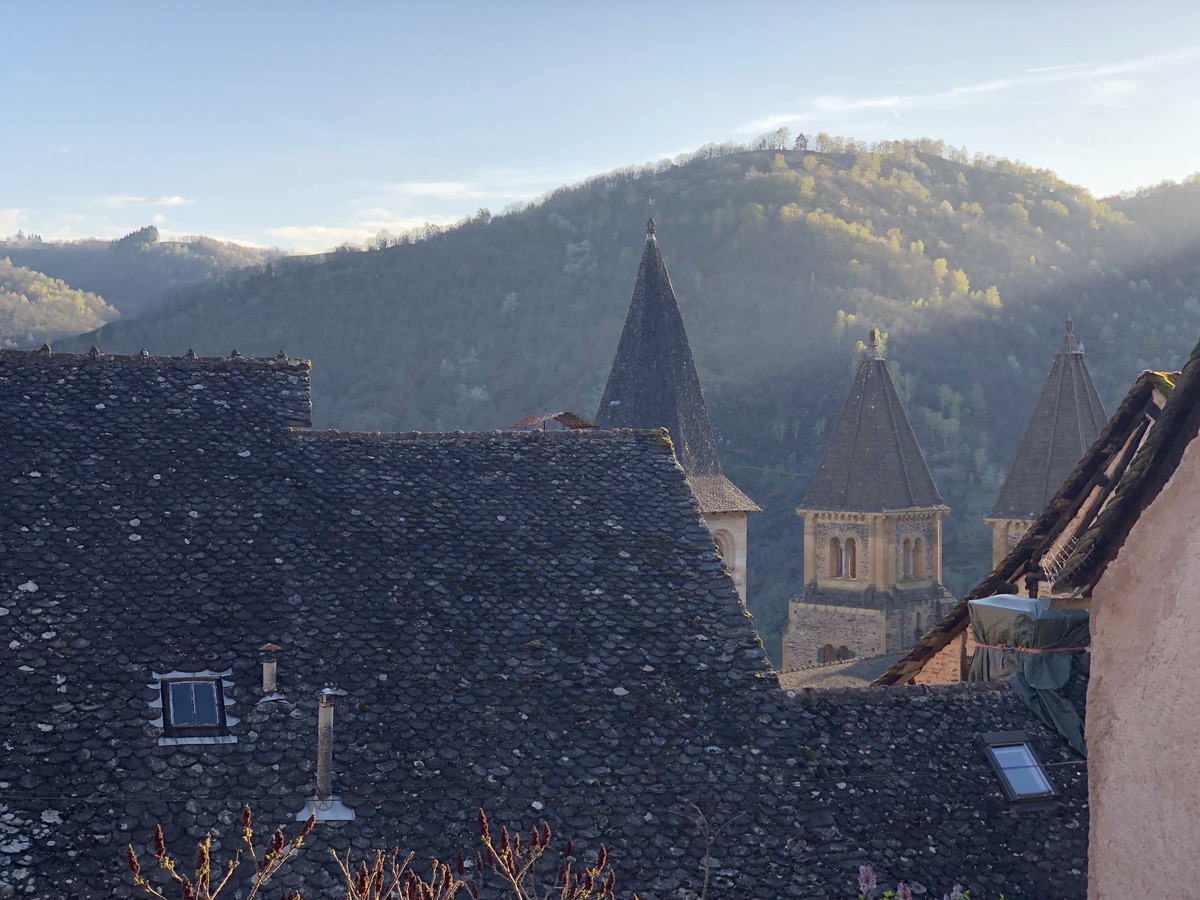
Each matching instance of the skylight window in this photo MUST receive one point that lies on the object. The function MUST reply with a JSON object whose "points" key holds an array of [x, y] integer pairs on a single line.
{"points": [[1022, 776], [193, 707], [193, 704]]}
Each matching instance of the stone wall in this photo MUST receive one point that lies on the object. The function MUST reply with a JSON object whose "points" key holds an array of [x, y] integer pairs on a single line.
{"points": [[729, 531], [813, 625], [1144, 700]]}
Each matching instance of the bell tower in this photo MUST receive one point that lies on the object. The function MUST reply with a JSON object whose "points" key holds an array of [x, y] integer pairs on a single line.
{"points": [[872, 533]]}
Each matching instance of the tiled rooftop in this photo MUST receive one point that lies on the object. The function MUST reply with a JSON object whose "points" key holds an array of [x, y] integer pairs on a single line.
{"points": [[536, 623]]}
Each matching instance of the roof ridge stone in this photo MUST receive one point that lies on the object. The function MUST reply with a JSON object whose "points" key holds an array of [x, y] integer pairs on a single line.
{"points": [[614, 436], [95, 358], [891, 693]]}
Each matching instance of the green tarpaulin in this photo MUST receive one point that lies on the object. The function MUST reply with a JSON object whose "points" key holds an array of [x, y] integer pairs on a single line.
{"points": [[1036, 649]]}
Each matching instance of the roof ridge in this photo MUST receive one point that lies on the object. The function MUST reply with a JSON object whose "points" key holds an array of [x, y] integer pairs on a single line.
{"points": [[45, 356], [612, 435], [896, 439]]}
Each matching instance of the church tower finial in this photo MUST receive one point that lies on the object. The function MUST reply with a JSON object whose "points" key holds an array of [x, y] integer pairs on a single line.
{"points": [[650, 222], [1070, 344], [875, 348]]}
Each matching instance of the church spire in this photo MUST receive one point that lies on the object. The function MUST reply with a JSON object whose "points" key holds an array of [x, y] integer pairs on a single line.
{"points": [[653, 381], [1065, 423], [873, 462]]}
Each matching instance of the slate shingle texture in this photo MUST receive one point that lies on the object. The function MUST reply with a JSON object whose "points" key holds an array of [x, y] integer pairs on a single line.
{"points": [[1066, 421], [533, 623]]}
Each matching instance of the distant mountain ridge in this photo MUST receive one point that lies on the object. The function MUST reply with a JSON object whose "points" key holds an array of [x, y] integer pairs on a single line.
{"points": [[781, 261], [135, 272]]}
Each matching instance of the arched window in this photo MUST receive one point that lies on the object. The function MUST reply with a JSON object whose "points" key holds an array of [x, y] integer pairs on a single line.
{"points": [[906, 556], [826, 654], [835, 558], [725, 547], [843, 652], [918, 626], [850, 569], [918, 563]]}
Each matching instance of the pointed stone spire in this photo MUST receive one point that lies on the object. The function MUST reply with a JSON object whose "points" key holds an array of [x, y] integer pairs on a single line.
{"points": [[1065, 423], [873, 462], [653, 383]]}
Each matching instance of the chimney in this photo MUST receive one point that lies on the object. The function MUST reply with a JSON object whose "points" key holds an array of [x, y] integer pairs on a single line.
{"points": [[326, 806], [270, 665], [324, 745]]}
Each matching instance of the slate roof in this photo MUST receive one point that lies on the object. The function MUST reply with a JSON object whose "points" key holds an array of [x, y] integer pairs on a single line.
{"points": [[1094, 508], [872, 462], [653, 384], [537, 623], [1067, 419]]}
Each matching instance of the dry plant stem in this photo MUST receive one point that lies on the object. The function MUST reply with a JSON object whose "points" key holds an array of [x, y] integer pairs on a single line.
{"points": [[275, 855], [701, 822]]}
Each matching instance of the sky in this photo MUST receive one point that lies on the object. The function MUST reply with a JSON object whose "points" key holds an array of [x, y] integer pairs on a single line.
{"points": [[302, 125]]}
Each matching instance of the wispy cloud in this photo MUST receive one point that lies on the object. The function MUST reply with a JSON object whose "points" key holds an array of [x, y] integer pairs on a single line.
{"points": [[1056, 68], [829, 107], [317, 238], [10, 220], [119, 201]]}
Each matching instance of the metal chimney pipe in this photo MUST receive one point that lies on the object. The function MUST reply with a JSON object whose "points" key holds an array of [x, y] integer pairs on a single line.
{"points": [[270, 667], [324, 745]]}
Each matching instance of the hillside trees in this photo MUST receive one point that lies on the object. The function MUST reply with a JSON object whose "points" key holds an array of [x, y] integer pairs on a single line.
{"points": [[34, 308], [476, 326]]}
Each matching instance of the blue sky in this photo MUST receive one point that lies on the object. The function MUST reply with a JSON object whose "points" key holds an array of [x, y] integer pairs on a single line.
{"points": [[301, 125]]}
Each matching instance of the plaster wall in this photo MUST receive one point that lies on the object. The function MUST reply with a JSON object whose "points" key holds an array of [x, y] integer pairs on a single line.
{"points": [[1144, 700]]}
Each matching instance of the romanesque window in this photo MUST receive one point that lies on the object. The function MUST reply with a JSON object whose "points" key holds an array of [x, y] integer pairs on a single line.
{"points": [[918, 559], [906, 556], [835, 558], [826, 654], [725, 547], [844, 652], [849, 559]]}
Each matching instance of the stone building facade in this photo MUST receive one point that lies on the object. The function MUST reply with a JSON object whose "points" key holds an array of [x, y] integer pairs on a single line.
{"points": [[872, 533]]}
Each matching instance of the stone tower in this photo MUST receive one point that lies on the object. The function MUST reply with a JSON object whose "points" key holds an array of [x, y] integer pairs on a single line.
{"points": [[872, 533], [653, 384], [1065, 423]]}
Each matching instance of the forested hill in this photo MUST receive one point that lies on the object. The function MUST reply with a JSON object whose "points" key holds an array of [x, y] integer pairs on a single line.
{"points": [[134, 272], [782, 260], [35, 308]]}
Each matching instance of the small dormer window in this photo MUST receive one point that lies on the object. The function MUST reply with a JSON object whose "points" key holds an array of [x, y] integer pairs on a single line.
{"points": [[1021, 775], [193, 706]]}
